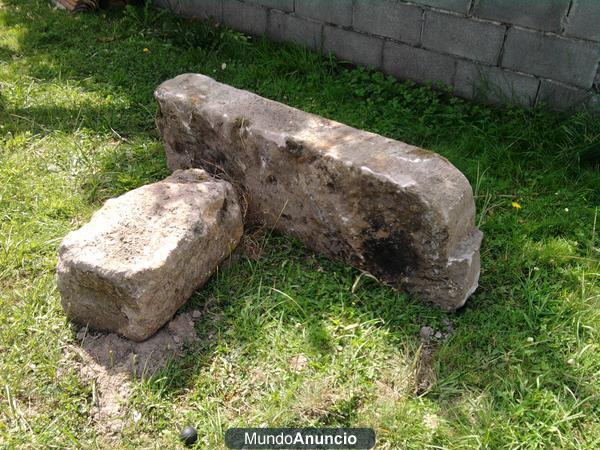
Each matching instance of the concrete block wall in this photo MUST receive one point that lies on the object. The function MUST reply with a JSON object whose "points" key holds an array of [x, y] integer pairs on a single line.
{"points": [[499, 51]]}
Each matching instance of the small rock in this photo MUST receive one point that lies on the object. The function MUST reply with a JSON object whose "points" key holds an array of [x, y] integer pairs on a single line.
{"points": [[298, 362], [81, 334], [439, 335], [426, 333], [188, 436], [196, 314]]}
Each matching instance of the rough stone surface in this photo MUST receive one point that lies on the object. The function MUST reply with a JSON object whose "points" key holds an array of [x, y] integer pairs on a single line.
{"points": [[583, 20], [404, 214], [388, 18], [410, 63], [561, 59], [494, 85], [287, 27], [463, 37], [544, 15], [351, 46], [143, 254]]}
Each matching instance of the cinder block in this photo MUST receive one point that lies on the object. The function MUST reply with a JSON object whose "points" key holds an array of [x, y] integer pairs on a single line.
{"points": [[584, 20], [288, 27], [388, 18], [593, 103], [410, 63], [494, 85], [539, 14], [461, 6], [205, 9], [282, 5], [245, 17], [464, 37], [356, 47], [338, 12], [561, 59], [560, 96]]}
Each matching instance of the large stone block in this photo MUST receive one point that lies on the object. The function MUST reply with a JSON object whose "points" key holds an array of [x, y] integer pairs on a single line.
{"points": [[143, 254], [288, 27], [561, 59], [417, 64], [544, 15], [338, 12], [404, 214], [494, 85], [584, 20], [464, 37], [388, 18], [356, 47]]}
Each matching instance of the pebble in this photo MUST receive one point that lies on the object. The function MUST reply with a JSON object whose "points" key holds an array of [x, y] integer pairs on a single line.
{"points": [[426, 332], [188, 436]]}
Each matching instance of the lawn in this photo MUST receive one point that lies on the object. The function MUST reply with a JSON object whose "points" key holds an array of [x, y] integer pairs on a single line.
{"points": [[520, 367]]}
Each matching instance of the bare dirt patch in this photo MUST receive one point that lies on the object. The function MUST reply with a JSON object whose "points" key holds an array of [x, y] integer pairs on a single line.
{"points": [[425, 377], [109, 362]]}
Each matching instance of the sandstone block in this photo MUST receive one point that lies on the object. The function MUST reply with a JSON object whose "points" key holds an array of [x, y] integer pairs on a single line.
{"points": [[143, 254], [404, 214]]}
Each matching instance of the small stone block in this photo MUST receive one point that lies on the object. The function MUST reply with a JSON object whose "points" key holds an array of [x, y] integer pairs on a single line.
{"points": [[143, 254]]}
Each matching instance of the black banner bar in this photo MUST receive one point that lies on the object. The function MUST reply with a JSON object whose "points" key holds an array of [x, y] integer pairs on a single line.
{"points": [[300, 438]]}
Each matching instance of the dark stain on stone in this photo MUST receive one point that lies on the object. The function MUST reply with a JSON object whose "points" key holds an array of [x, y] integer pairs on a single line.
{"points": [[179, 147], [394, 255], [328, 176], [198, 228], [376, 221], [294, 147], [223, 211], [271, 179]]}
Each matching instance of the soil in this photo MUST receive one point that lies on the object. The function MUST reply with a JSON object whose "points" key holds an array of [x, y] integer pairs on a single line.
{"points": [[109, 362]]}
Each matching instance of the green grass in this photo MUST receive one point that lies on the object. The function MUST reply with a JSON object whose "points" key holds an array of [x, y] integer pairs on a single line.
{"points": [[522, 367]]}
